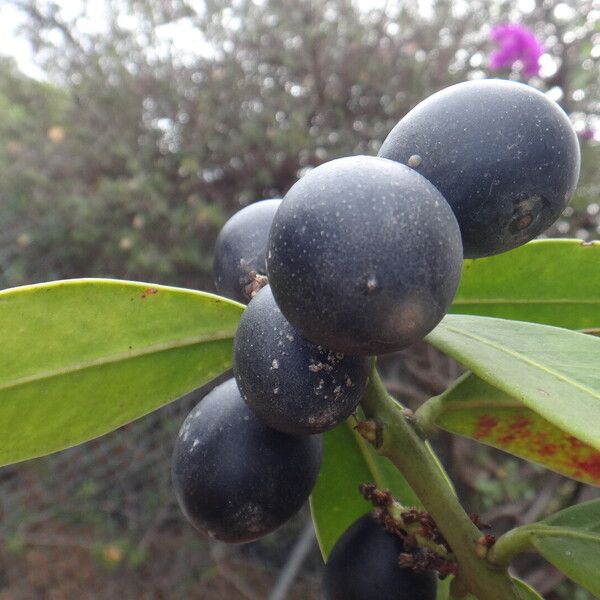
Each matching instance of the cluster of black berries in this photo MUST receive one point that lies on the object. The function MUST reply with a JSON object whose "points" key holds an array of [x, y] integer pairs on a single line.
{"points": [[362, 257]]}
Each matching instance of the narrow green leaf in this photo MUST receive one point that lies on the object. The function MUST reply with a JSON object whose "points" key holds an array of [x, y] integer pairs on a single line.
{"points": [[476, 409], [80, 358], [349, 461], [570, 540], [552, 371], [555, 282]]}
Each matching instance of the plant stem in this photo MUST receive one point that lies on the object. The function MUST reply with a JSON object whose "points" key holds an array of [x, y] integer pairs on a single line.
{"points": [[511, 543], [396, 512], [428, 412], [402, 445]]}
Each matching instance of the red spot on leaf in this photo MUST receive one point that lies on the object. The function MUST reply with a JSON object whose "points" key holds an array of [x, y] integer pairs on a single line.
{"points": [[529, 436], [507, 438], [521, 423], [148, 292], [548, 450], [590, 465], [575, 443], [484, 426]]}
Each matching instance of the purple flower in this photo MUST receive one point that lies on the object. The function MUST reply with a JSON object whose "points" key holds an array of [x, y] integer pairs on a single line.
{"points": [[587, 134], [516, 43]]}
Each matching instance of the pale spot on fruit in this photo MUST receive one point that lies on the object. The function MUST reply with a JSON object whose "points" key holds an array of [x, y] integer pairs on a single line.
{"points": [[414, 161]]}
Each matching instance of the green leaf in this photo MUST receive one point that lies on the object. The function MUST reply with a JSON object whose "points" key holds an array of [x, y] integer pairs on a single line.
{"points": [[525, 591], [570, 540], [552, 371], [80, 358], [555, 282], [476, 409], [336, 502]]}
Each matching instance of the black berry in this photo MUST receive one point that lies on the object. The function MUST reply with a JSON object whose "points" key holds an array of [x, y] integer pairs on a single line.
{"points": [[504, 156], [364, 256], [240, 251], [292, 384], [363, 565], [235, 478]]}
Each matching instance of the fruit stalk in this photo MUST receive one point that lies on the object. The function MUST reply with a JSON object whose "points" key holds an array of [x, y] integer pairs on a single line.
{"points": [[402, 445]]}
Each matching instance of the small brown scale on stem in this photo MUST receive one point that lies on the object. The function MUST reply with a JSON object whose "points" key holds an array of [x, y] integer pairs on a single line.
{"points": [[426, 549]]}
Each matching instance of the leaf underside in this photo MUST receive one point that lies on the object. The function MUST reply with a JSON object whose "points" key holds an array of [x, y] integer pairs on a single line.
{"points": [[552, 371], [475, 409], [570, 540]]}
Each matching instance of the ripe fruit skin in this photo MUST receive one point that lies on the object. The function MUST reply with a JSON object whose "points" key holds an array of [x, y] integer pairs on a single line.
{"points": [[505, 157], [241, 249], [363, 565], [364, 256], [236, 479], [290, 383]]}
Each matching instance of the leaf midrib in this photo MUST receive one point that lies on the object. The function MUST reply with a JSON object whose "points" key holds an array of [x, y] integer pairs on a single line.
{"points": [[460, 405], [523, 358], [544, 531], [118, 357]]}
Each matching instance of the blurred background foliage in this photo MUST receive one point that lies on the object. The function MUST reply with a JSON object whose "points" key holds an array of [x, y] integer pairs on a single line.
{"points": [[152, 125], [143, 126]]}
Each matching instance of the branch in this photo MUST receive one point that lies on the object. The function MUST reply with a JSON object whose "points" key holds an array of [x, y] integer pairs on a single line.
{"points": [[400, 442]]}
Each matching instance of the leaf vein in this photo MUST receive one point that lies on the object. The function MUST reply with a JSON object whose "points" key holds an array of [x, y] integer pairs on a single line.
{"points": [[117, 357], [557, 374]]}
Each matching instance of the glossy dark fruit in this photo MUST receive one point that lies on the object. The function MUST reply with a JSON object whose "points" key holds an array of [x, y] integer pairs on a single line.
{"points": [[363, 565], [364, 256], [290, 383], [235, 478], [504, 155], [240, 251]]}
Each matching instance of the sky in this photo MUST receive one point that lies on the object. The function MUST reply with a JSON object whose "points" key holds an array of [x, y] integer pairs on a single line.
{"points": [[186, 38], [11, 44]]}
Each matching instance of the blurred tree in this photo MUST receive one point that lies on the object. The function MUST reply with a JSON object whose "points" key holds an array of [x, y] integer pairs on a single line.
{"points": [[127, 164]]}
